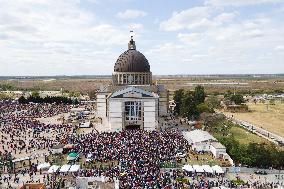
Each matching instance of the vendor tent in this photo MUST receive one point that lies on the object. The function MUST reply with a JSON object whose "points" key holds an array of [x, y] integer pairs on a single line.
{"points": [[21, 159], [198, 169], [43, 166], [74, 168], [217, 169], [57, 149], [207, 169], [64, 168], [72, 156], [187, 168], [53, 169]]}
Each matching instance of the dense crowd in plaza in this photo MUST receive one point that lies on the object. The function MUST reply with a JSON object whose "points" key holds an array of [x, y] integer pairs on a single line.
{"points": [[22, 134], [33, 110], [134, 157], [139, 152]]}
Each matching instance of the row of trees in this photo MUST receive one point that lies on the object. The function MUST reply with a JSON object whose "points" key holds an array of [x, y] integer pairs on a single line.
{"points": [[191, 104], [49, 99], [236, 98], [261, 155], [254, 154], [7, 87]]}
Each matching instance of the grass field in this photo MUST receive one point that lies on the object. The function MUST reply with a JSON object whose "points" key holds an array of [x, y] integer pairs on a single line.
{"points": [[241, 135], [269, 117], [246, 137]]}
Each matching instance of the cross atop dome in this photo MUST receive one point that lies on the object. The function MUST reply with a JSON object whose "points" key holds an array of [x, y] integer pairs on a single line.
{"points": [[131, 34]]}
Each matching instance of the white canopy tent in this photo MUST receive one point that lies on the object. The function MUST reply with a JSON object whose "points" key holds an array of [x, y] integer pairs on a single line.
{"points": [[198, 169], [188, 168], [74, 168], [53, 169], [64, 168], [217, 169], [43, 166], [207, 169], [20, 159]]}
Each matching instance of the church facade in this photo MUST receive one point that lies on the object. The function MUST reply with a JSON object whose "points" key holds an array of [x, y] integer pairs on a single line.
{"points": [[132, 101]]}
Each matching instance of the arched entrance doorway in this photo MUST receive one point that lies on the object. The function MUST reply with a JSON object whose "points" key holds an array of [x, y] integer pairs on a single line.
{"points": [[132, 127]]}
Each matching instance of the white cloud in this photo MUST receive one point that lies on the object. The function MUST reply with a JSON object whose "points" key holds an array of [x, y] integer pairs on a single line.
{"points": [[279, 48], [136, 26], [225, 17], [229, 45], [197, 17], [189, 18], [131, 14], [49, 37], [46, 36], [241, 2], [191, 38], [252, 33]]}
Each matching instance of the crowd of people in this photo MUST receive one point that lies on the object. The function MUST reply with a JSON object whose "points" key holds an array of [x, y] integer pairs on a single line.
{"points": [[134, 157], [22, 134], [139, 153]]}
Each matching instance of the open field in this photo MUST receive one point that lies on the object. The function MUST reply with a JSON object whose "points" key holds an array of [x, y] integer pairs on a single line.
{"points": [[242, 135], [246, 137], [212, 83], [269, 117]]}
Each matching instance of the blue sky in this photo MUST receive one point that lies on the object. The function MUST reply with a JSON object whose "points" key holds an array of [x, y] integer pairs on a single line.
{"points": [[85, 37]]}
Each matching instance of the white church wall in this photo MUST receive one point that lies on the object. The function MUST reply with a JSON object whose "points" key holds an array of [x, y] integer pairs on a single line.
{"points": [[115, 115], [101, 105], [149, 109], [149, 103], [101, 100], [149, 114]]}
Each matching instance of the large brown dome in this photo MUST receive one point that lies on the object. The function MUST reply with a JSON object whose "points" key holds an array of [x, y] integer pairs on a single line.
{"points": [[132, 61]]}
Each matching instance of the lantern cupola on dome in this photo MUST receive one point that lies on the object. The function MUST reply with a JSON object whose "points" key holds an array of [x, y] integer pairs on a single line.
{"points": [[132, 67]]}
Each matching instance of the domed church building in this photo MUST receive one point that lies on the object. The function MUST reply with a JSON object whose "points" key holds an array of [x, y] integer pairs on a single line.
{"points": [[132, 101]]}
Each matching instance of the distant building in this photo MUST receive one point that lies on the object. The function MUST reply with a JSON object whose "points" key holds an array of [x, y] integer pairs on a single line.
{"points": [[132, 101], [232, 107], [202, 141], [218, 150]]}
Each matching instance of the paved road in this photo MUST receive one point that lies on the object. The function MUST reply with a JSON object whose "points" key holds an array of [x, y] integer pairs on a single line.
{"points": [[258, 130]]}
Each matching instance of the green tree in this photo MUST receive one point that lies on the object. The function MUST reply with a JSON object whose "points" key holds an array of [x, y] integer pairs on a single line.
{"points": [[187, 102], [22, 100], [199, 94], [278, 91], [188, 105], [237, 98], [178, 95], [203, 107], [212, 102], [3, 96]]}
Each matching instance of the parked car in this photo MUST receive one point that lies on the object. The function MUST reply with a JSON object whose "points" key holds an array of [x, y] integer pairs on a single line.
{"points": [[258, 172]]}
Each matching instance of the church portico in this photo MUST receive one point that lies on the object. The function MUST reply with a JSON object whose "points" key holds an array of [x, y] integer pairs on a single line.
{"points": [[132, 106]]}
